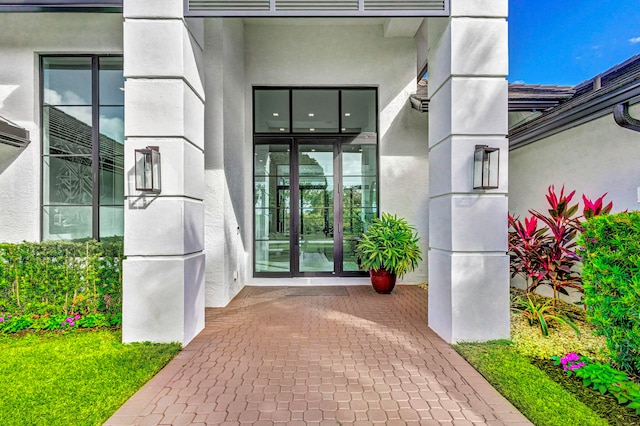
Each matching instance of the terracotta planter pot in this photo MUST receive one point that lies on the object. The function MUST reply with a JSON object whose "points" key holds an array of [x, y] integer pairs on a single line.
{"points": [[382, 281]]}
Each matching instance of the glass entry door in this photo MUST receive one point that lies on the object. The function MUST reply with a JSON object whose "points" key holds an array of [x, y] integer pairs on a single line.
{"points": [[313, 197], [315, 213]]}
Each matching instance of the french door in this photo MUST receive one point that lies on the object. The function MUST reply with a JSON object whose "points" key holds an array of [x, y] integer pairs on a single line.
{"points": [[313, 196]]}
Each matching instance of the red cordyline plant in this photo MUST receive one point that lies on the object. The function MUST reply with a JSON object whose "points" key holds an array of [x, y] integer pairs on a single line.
{"points": [[548, 255]]}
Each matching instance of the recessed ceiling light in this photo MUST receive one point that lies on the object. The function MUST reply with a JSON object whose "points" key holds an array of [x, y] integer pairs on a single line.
{"points": [[121, 88], [275, 114], [313, 150], [312, 129], [347, 114], [282, 129], [344, 129], [311, 114]]}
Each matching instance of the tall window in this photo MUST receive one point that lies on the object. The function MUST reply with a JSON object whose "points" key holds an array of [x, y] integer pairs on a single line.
{"points": [[82, 147]]}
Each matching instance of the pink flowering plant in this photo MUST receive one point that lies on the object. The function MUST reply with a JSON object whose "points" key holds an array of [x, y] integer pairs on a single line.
{"points": [[13, 324], [570, 362]]}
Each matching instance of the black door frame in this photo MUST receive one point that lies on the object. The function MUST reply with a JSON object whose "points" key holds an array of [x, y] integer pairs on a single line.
{"points": [[294, 141]]}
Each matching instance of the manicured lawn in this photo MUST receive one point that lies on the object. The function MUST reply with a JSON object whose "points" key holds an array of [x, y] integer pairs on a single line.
{"points": [[543, 401], [77, 378]]}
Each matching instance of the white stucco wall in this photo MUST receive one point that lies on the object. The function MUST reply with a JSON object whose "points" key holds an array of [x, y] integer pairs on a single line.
{"points": [[593, 158], [225, 166], [23, 36], [324, 52]]}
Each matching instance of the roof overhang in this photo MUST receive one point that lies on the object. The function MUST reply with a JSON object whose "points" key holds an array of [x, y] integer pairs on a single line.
{"points": [[61, 6], [13, 135], [522, 97], [573, 113], [421, 103]]}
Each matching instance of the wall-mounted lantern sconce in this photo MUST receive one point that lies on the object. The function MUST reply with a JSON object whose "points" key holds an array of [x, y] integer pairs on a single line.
{"points": [[486, 167], [148, 169]]}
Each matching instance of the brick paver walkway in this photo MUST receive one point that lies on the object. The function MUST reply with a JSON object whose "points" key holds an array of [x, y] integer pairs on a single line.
{"points": [[318, 355]]}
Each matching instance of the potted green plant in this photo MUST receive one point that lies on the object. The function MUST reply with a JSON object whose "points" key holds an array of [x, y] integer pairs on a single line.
{"points": [[388, 249]]}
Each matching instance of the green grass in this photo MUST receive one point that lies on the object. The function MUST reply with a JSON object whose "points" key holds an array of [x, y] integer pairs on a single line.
{"points": [[529, 389], [78, 378]]}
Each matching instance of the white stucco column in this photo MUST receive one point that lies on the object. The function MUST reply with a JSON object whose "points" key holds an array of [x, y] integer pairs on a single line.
{"points": [[468, 265], [163, 281]]}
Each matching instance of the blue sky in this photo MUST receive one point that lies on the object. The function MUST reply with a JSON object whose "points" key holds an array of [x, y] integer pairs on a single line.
{"points": [[566, 42]]}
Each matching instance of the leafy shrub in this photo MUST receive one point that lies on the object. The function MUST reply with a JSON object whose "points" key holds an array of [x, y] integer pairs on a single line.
{"points": [[42, 284], [548, 255], [542, 313], [611, 275]]}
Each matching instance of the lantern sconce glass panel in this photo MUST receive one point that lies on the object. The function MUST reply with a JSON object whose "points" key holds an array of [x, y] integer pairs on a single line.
{"points": [[486, 167], [148, 169]]}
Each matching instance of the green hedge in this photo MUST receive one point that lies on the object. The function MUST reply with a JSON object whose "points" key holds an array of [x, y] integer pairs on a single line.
{"points": [[611, 277], [61, 278]]}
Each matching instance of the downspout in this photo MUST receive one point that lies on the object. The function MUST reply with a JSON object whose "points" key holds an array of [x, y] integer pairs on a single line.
{"points": [[624, 119]]}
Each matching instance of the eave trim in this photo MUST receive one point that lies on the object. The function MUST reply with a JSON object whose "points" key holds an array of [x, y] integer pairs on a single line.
{"points": [[13, 135]]}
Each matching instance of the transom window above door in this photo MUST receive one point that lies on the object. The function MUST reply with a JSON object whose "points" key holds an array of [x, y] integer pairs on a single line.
{"points": [[315, 110]]}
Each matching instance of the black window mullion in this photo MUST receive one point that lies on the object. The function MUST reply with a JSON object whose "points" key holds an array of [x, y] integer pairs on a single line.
{"points": [[290, 111], [95, 145], [294, 212], [42, 152], [338, 250], [340, 127]]}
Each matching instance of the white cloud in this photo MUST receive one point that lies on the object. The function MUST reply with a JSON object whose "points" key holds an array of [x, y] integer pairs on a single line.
{"points": [[634, 40], [112, 127], [67, 98]]}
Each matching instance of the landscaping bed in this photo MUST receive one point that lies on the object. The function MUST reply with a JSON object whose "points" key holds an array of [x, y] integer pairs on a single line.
{"points": [[530, 390], [522, 370], [63, 362], [570, 363]]}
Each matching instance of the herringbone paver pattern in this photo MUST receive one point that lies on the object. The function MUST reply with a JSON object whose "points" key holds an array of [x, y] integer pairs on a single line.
{"points": [[319, 356]]}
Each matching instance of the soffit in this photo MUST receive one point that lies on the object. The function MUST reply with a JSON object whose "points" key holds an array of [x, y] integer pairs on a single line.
{"points": [[316, 8]]}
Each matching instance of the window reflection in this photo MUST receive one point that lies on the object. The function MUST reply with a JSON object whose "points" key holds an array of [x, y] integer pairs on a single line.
{"points": [[315, 111], [67, 80], [70, 207], [272, 205]]}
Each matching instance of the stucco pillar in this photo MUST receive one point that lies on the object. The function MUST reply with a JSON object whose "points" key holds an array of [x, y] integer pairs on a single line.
{"points": [[468, 265], [164, 234]]}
